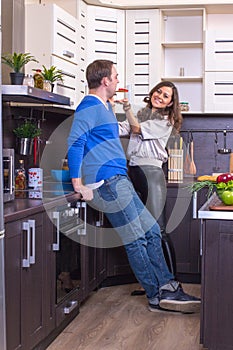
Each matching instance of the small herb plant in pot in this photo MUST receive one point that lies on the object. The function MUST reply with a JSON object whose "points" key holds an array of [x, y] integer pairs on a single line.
{"points": [[52, 74], [25, 135], [16, 62]]}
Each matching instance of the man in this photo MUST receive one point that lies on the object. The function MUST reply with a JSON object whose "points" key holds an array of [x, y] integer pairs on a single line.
{"points": [[98, 170]]}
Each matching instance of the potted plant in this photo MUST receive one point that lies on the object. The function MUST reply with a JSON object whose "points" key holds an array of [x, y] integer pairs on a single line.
{"points": [[25, 135], [16, 62], [51, 75]]}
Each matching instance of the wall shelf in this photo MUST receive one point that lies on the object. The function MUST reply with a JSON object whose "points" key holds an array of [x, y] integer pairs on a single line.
{"points": [[28, 94]]}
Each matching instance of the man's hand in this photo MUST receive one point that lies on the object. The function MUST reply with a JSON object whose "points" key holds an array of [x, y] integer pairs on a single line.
{"points": [[86, 192]]}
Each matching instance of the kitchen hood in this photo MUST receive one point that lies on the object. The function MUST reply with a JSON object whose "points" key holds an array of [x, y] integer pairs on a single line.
{"points": [[28, 94]]}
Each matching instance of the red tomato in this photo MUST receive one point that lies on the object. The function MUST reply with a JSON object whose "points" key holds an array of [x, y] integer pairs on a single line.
{"points": [[224, 177]]}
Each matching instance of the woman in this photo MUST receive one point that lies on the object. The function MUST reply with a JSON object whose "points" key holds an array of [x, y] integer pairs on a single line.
{"points": [[149, 133]]}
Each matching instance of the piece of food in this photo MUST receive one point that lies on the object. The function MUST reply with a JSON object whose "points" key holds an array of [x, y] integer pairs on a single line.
{"points": [[224, 177], [122, 90], [227, 197], [207, 178]]}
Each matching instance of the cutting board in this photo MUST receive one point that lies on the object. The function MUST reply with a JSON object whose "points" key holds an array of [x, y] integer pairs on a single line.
{"points": [[222, 207]]}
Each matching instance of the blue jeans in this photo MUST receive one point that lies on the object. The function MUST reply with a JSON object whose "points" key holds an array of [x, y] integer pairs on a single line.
{"points": [[138, 231]]}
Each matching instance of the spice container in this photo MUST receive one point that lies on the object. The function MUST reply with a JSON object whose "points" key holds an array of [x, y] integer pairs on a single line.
{"points": [[28, 80]]}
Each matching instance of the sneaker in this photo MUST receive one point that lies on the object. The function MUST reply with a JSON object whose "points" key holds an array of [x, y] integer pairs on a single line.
{"points": [[157, 308], [178, 300]]}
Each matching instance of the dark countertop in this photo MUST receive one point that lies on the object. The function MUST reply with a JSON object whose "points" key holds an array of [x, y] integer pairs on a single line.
{"points": [[20, 208]]}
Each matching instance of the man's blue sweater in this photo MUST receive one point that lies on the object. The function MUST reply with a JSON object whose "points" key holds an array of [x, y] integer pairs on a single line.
{"points": [[94, 149]]}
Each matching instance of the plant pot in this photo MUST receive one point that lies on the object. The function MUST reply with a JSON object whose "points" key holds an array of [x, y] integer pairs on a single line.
{"points": [[16, 78], [24, 146]]}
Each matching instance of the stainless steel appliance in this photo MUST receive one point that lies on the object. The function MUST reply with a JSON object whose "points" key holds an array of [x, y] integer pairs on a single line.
{"points": [[2, 231], [8, 160]]}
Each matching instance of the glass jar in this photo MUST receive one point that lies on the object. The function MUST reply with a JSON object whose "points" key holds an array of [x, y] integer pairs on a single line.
{"points": [[38, 79], [47, 85], [184, 106], [28, 80]]}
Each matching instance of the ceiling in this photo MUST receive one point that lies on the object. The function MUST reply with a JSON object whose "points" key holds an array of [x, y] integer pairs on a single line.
{"points": [[139, 4]]}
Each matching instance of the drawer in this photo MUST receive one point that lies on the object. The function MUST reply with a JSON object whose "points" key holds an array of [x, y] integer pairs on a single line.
{"points": [[219, 50], [65, 37], [67, 308], [218, 91], [69, 87]]}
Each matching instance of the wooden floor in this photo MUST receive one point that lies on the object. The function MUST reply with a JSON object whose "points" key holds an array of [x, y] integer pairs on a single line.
{"points": [[111, 319]]}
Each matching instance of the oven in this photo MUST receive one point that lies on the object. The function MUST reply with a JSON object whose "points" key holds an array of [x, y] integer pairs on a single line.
{"points": [[8, 158], [70, 220]]}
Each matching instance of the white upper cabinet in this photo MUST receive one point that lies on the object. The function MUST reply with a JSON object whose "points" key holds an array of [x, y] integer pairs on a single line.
{"points": [[142, 54], [219, 42], [219, 50], [82, 49], [182, 53], [106, 37], [219, 63], [53, 43]]}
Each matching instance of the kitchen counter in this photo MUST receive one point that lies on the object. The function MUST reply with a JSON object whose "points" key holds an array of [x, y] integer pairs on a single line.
{"points": [[22, 207], [206, 213], [216, 277]]}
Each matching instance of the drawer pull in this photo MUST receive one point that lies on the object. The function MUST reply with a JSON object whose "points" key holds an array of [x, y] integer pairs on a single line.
{"points": [[72, 305], [68, 54], [26, 261]]}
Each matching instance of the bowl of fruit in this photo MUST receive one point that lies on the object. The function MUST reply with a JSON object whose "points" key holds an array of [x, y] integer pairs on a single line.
{"points": [[221, 184]]}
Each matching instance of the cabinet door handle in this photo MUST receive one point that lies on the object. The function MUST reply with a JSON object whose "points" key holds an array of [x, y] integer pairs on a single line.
{"points": [[194, 205], [56, 246], [82, 231], [72, 305], [26, 261], [68, 54], [100, 222], [32, 230]]}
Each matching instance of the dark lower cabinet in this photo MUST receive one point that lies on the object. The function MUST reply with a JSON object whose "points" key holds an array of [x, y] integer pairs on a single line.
{"points": [[93, 253], [36, 251], [217, 285], [29, 279], [184, 230]]}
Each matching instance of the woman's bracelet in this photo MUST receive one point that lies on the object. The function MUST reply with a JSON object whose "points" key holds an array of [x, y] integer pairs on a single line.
{"points": [[126, 107]]}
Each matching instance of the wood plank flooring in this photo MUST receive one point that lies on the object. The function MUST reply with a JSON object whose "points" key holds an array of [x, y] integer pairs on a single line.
{"points": [[111, 319]]}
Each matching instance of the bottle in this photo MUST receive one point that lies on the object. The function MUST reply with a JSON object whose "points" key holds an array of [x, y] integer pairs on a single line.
{"points": [[20, 177], [28, 80], [38, 79], [65, 164]]}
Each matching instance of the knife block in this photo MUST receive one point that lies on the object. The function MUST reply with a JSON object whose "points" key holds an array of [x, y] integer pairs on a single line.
{"points": [[175, 165]]}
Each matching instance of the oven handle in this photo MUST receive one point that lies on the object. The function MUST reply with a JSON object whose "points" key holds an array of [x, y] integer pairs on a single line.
{"points": [[56, 246], [12, 188]]}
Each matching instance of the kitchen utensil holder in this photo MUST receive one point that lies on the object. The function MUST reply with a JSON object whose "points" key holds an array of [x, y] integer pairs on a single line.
{"points": [[175, 165]]}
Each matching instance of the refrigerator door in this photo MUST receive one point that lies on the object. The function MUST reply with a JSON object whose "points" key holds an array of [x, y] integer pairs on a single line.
{"points": [[2, 270]]}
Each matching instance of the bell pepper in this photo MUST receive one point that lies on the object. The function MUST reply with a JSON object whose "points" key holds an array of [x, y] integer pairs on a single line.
{"points": [[224, 177]]}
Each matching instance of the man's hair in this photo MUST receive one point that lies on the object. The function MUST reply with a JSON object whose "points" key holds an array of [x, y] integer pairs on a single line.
{"points": [[96, 71]]}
